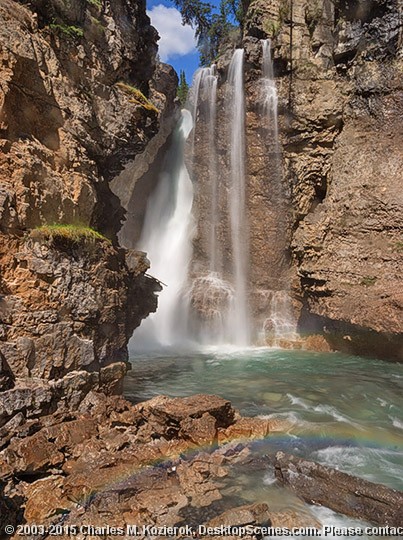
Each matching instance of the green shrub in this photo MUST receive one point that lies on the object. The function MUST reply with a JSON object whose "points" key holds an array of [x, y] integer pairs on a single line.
{"points": [[96, 3], [74, 32]]}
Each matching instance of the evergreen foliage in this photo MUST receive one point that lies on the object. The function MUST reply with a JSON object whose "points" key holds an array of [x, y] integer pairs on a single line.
{"points": [[183, 88], [212, 29]]}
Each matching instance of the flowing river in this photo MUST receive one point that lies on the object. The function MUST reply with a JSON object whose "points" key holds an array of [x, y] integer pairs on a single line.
{"points": [[342, 411]]}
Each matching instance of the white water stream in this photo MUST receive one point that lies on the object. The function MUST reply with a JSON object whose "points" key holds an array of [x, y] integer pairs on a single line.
{"points": [[220, 294], [167, 239], [235, 104]]}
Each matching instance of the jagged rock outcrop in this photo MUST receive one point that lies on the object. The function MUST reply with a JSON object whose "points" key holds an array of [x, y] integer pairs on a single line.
{"points": [[338, 67], [81, 96], [71, 298], [69, 466], [339, 491]]}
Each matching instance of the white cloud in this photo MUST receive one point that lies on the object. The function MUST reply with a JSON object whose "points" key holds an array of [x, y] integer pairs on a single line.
{"points": [[176, 39]]}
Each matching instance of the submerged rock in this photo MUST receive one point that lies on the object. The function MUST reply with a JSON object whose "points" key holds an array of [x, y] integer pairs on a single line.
{"points": [[339, 491]]}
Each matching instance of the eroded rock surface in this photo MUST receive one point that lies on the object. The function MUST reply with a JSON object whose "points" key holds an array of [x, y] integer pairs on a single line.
{"points": [[338, 69], [104, 457], [82, 95]]}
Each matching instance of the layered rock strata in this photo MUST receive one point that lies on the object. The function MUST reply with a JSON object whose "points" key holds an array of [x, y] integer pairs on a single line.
{"points": [[81, 96], [325, 215], [69, 468]]}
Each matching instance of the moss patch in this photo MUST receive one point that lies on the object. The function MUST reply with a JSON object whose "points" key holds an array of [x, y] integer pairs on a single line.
{"points": [[368, 281], [74, 233], [74, 32], [137, 97]]}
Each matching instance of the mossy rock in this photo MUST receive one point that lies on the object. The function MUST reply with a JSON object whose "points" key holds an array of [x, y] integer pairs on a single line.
{"points": [[70, 233]]}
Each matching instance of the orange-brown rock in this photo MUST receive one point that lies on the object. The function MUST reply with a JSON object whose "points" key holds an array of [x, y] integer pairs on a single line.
{"points": [[129, 459], [68, 126], [45, 499], [245, 429], [239, 519], [290, 518]]}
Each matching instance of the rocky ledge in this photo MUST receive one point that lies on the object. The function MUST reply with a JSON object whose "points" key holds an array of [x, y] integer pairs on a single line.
{"points": [[164, 463], [81, 96], [110, 461]]}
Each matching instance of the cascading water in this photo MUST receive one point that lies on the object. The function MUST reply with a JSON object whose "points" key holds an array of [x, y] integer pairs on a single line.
{"points": [[219, 290], [205, 87], [235, 104], [167, 239], [269, 98], [279, 324], [210, 295]]}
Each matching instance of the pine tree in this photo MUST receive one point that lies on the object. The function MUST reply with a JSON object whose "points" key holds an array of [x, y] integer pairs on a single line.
{"points": [[183, 88], [211, 28]]}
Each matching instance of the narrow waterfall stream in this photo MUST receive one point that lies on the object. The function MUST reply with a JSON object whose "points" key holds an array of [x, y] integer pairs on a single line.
{"points": [[280, 323], [237, 207], [167, 238]]}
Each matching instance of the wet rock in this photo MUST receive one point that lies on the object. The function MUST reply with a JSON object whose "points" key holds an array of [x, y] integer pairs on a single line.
{"points": [[252, 515], [290, 518], [339, 491], [245, 429]]}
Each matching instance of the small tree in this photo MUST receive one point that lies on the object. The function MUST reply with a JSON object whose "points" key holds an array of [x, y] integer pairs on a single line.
{"points": [[220, 28], [212, 29], [183, 88]]}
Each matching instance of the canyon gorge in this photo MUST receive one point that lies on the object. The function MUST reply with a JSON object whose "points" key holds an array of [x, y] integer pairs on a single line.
{"points": [[267, 212]]}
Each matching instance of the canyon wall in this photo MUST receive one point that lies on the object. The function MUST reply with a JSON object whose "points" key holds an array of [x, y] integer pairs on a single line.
{"points": [[325, 213], [340, 67], [81, 96]]}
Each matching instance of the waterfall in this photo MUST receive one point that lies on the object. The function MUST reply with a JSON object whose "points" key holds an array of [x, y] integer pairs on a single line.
{"points": [[219, 294], [167, 239], [204, 87], [270, 98], [279, 326], [235, 105], [215, 258]]}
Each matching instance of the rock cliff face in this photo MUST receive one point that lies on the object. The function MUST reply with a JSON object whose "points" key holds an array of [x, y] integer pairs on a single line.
{"points": [[336, 218], [81, 97]]}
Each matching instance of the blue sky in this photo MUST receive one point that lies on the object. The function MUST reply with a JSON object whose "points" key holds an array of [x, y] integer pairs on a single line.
{"points": [[177, 45]]}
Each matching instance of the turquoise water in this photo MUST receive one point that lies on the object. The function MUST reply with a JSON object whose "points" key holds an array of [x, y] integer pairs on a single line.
{"points": [[342, 411]]}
